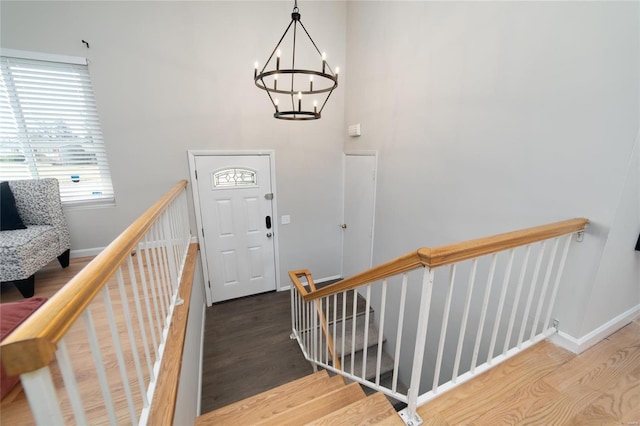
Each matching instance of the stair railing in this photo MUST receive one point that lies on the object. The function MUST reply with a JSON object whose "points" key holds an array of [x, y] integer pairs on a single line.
{"points": [[438, 336], [112, 358]]}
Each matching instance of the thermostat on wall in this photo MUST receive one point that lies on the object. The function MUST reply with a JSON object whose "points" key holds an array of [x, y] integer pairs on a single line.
{"points": [[354, 130]]}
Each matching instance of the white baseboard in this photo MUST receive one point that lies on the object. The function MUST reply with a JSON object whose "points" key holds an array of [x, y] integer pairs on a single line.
{"points": [[321, 280], [86, 252], [97, 250], [579, 345]]}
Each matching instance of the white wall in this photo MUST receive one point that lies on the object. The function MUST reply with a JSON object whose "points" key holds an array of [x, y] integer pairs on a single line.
{"points": [[488, 117], [172, 76], [495, 116]]}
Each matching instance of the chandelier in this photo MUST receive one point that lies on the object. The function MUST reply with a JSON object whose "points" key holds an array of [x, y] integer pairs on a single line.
{"points": [[304, 92]]}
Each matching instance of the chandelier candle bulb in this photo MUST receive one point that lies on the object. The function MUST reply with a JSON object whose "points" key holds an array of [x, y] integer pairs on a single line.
{"points": [[255, 71], [315, 107], [278, 60], [299, 101], [275, 102], [275, 82], [324, 61], [311, 83]]}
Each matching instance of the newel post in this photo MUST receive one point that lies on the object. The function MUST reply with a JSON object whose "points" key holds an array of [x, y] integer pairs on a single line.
{"points": [[409, 415]]}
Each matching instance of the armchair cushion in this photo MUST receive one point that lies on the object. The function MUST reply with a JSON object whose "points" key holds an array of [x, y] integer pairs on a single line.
{"points": [[9, 216], [25, 251]]}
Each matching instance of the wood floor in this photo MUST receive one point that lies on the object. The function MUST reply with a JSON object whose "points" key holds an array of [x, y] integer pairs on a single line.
{"points": [[543, 386], [547, 385], [247, 349]]}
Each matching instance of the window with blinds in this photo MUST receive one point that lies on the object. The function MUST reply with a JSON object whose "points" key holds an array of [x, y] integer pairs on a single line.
{"points": [[49, 128]]}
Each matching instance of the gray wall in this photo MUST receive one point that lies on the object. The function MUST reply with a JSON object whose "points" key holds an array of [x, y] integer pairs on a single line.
{"points": [[173, 76], [495, 116]]}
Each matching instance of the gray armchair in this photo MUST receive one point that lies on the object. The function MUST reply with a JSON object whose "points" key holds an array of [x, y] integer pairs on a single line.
{"points": [[46, 237]]}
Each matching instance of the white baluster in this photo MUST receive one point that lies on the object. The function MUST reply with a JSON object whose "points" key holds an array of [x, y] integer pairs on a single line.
{"points": [[140, 316], [353, 331], [171, 259], [160, 282], [545, 284], [396, 360], [383, 305], [443, 328], [70, 384], [155, 285], [154, 326], [483, 315], [532, 289], [41, 394], [119, 356], [326, 317], [503, 295], [344, 325], [556, 284], [132, 337], [516, 301], [99, 365], [366, 333], [335, 326], [421, 337], [465, 319]]}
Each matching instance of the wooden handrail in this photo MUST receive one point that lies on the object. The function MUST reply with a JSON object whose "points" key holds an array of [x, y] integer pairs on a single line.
{"points": [[32, 345], [451, 253], [294, 276]]}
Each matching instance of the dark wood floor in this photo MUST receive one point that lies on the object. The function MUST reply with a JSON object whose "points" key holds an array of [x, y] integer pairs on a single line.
{"points": [[247, 349]]}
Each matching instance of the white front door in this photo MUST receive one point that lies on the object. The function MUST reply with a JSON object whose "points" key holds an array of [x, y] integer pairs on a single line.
{"points": [[359, 205], [235, 197]]}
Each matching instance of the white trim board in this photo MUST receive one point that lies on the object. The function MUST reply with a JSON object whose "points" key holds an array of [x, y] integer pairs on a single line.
{"points": [[86, 252], [579, 345]]}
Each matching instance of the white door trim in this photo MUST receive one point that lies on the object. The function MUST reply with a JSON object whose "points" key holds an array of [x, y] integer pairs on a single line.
{"points": [[192, 154], [368, 153]]}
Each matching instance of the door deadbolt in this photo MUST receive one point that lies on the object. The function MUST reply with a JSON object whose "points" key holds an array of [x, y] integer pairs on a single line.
{"points": [[269, 234]]}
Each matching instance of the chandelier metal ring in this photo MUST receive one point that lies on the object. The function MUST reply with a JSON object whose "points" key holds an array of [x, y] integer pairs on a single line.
{"points": [[259, 80]]}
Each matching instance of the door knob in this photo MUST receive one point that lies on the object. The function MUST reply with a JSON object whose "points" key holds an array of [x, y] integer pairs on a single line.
{"points": [[269, 234], [343, 226]]}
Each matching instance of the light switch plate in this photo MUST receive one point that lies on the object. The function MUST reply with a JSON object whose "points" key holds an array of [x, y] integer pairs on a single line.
{"points": [[285, 219]]}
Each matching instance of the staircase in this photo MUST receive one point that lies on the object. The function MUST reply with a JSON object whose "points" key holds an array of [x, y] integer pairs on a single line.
{"points": [[322, 398], [317, 399], [371, 344]]}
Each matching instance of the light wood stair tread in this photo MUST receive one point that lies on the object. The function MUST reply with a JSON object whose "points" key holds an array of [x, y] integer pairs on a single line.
{"points": [[263, 405], [317, 407], [374, 409]]}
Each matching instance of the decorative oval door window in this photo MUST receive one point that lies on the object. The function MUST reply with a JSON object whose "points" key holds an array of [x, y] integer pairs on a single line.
{"points": [[234, 177]]}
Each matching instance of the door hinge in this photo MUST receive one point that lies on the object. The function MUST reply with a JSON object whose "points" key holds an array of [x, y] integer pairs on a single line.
{"points": [[202, 232], [196, 174], [209, 284]]}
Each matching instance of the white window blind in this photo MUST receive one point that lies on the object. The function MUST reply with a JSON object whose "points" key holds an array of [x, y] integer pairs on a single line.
{"points": [[49, 127]]}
